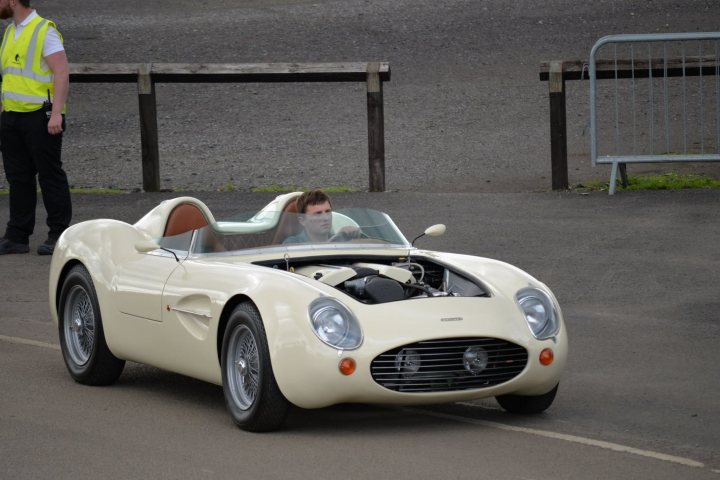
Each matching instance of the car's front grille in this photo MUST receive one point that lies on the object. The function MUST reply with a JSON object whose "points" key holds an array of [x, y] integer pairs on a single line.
{"points": [[448, 365]]}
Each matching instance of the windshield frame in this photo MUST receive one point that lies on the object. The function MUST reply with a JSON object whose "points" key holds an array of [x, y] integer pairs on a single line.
{"points": [[254, 234]]}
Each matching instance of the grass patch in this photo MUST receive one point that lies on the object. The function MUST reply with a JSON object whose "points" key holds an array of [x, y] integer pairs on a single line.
{"points": [[667, 181], [228, 187], [82, 191], [97, 191], [288, 189]]}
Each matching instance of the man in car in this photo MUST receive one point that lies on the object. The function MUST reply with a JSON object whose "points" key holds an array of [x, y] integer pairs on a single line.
{"points": [[315, 216]]}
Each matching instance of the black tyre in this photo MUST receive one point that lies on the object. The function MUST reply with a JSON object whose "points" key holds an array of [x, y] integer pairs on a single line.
{"points": [[527, 404], [82, 338], [252, 395]]}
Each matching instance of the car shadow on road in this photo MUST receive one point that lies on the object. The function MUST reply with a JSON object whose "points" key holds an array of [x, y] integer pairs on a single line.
{"points": [[207, 400]]}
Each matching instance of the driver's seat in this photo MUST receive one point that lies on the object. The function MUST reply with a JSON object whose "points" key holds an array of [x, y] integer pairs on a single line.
{"points": [[288, 224]]}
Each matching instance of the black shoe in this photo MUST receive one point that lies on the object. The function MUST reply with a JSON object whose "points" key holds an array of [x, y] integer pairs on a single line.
{"points": [[8, 246], [48, 247]]}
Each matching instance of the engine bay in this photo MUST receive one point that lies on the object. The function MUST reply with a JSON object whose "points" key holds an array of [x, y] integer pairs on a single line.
{"points": [[374, 281]]}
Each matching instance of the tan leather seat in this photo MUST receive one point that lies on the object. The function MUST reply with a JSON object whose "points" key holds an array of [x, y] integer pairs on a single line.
{"points": [[288, 224], [184, 218]]}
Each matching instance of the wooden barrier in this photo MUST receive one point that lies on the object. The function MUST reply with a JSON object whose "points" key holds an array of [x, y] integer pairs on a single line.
{"points": [[146, 75], [557, 72]]}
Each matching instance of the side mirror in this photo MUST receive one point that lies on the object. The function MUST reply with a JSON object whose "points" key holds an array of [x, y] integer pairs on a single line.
{"points": [[432, 231], [146, 246], [435, 230]]}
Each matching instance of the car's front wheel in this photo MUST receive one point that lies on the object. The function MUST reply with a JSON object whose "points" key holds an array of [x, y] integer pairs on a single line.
{"points": [[252, 395], [527, 404], [82, 339]]}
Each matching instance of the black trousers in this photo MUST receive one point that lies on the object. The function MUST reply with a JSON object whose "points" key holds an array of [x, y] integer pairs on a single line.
{"points": [[29, 151]]}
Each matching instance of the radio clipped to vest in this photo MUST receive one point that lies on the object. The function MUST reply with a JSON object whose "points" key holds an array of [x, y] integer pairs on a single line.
{"points": [[47, 106]]}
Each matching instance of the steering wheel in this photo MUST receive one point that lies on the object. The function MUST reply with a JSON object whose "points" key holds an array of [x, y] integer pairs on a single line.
{"points": [[342, 236]]}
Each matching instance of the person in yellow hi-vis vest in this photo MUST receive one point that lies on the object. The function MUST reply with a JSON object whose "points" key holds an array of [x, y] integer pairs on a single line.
{"points": [[35, 80]]}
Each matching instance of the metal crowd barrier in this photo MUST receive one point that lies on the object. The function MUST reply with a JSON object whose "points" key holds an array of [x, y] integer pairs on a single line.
{"points": [[666, 109]]}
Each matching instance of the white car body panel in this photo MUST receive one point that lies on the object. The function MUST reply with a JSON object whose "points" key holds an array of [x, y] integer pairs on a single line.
{"points": [[167, 313]]}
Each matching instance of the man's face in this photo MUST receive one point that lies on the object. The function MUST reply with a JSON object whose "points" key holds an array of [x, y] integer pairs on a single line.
{"points": [[5, 10], [317, 219]]}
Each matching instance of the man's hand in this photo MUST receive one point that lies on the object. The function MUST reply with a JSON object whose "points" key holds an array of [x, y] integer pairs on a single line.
{"points": [[55, 124], [345, 234], [350, 232]]}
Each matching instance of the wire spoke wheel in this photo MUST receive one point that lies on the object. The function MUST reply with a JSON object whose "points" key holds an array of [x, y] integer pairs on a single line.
{"points": [[243, 367], [80, 325], [82, 337], [251, 393]]}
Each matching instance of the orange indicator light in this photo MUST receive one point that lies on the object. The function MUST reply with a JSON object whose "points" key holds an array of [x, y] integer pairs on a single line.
{"points": [[347, 366], [547, 356]]}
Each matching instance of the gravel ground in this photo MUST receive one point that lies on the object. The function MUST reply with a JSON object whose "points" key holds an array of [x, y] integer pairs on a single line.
{"points": [[465, 110]]}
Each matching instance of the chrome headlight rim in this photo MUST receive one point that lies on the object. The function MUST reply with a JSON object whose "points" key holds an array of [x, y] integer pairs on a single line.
{"points": [[319, 312], [528, 300]]}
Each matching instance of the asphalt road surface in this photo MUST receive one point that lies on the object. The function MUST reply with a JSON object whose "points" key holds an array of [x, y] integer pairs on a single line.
{"points": [[636, 275], [464, 110]]}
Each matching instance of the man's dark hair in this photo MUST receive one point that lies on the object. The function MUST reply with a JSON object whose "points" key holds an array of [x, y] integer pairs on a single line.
{"points": [[24, 3], [312, 197]]}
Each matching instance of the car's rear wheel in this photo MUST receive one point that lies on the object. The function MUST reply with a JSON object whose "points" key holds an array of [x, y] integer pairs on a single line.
{"points": [[527, 404], [82, 338], [252, 395]]}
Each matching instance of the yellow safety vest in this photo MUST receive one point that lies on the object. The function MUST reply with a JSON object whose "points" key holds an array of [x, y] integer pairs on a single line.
{"points": [[25, 83]]}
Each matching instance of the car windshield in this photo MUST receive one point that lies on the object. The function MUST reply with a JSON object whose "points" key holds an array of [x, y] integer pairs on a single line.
{"points": [[268, 229]]}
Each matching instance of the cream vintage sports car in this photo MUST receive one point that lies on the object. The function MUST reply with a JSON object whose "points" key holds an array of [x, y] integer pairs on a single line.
{"points": [[363, 320]]}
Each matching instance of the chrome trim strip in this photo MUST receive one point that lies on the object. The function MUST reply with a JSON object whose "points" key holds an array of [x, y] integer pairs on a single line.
{"points": [[190, 312]]}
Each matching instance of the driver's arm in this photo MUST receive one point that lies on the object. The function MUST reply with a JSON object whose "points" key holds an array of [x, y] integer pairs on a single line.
{"points": [[350, 231]]}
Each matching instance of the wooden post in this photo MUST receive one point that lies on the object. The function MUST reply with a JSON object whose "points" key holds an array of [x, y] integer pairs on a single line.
{"points": [[146, 75], [148, 129], [376, 129], [558, 127]]}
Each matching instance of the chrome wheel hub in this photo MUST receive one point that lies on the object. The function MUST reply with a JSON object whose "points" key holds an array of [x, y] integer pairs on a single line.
{"points": [[76, 325], [241, 366]]}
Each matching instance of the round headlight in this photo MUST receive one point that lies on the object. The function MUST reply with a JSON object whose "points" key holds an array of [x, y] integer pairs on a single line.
{"points": [[475, 360], [334, 324], [540, 312], [408, 362]]}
